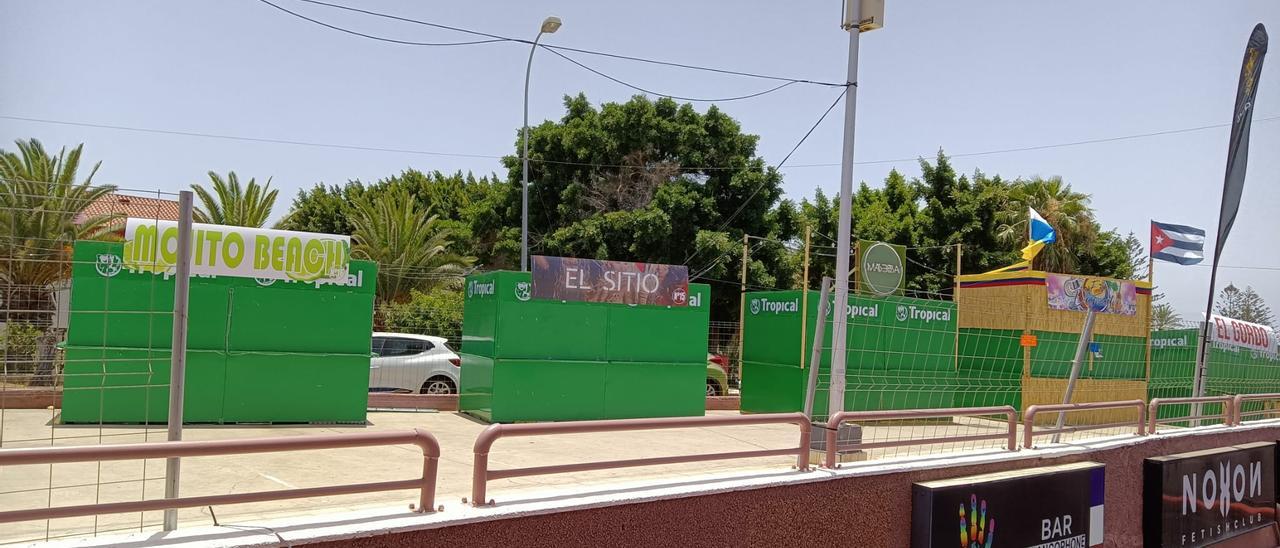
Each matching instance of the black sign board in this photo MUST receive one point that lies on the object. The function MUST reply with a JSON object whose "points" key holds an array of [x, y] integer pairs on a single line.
{"points": [[1205, 497], [1050, 507]]}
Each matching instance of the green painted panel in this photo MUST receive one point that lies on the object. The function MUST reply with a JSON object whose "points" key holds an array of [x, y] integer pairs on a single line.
{"points": [[893, 344], [294, 387], [638, 389], [475, 390], [991, 353], [676, 334], [1052, 355], [532, 360], [119, 338], [124, 385], [1122, 358], [540, 390], [772, 388]]}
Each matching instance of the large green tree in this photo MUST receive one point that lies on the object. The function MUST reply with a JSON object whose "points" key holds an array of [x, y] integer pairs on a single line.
{"points": [[652, 181], [234, 205], [955, 210]]}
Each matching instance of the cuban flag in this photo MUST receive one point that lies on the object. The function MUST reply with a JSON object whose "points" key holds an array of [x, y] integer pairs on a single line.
{"points": [[1177, 243]]}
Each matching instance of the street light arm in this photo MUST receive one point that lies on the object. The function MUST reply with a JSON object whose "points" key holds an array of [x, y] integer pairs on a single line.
{"points": [[524, 160]]}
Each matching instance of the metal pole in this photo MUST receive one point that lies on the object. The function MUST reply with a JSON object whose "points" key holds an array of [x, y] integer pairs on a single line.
{"points": [[524, 160], [815, 360], [1202, 370], [840, 320], [1085, 335], [804, 297], [955, 298], [742, 308], [178, 353]]}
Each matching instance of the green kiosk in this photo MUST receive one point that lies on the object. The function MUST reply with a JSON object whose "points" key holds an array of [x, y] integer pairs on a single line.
{"points": [[574, 341], [279, 325]]}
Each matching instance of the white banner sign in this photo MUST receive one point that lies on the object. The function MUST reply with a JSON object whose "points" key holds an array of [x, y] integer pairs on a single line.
{"points": [[1241, 334], [152, 246]]}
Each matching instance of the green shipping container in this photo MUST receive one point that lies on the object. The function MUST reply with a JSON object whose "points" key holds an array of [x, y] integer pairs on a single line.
{"points": [[526, 359], [901, 353], [281, 352]]}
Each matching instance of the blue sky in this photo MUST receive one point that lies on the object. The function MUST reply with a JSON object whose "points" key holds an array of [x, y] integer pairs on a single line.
{"points": [[966, 76]]}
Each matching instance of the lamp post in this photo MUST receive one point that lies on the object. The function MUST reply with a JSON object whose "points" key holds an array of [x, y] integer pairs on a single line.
{"points": [[549, 26]]}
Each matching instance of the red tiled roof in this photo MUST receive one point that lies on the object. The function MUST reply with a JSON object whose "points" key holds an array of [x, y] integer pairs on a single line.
{"points": [[131, 206]]}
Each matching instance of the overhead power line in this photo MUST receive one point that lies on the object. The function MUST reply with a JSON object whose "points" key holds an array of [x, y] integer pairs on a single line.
{"points": [[367, 148], [1049, 146], [497, 37], [379, 38]]}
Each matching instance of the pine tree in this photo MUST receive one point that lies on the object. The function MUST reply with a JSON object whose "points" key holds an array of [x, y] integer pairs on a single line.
{"points": [[1244, 305]]}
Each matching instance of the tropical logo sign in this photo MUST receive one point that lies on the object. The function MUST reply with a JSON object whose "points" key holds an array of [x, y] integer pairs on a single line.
{"points": [[1082, 293], [216, 250]]}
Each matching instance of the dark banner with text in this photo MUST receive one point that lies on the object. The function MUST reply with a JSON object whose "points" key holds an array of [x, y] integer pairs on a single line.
{"points": [[619, 282], [1205, 497], [1049, 507]]}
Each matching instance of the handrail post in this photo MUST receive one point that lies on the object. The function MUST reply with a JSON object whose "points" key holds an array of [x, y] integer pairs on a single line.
{"points": [[1013, 429], [1029, 426], [833, 428], [1142, 417], [806, 429], [479, 477]]}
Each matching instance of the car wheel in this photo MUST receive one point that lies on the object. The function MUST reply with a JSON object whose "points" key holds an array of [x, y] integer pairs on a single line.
{"points": [[439, 386], [713, 389]]}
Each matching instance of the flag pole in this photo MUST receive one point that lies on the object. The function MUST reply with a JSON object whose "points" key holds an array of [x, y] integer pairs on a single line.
{"points": [[1151, 304]]}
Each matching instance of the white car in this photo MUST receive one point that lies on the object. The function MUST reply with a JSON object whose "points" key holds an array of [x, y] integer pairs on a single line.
{"points": [[403, 362]]}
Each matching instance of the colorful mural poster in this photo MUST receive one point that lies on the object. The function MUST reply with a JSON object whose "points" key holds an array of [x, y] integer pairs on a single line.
{"points": [[1080, 293]]}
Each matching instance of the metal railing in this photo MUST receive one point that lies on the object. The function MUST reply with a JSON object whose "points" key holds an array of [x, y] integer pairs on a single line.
{"points": [[90, 453], [833, 426], [1239, 401], [481, 474], [1029, 418], [1153, 409]]}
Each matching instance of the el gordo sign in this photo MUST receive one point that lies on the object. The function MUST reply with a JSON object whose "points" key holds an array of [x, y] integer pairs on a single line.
{"points": [[1242, 334], [152, 246]]}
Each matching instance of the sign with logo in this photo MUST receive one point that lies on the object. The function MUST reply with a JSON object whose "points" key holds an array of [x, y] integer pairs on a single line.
{"points": [[570, 279], [1081, 293], [881, 268], [1241, 334], [1050, 507], [217, 250], [1204, 497]]}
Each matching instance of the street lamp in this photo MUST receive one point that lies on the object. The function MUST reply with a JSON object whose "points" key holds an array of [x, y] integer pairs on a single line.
{"points": [[549, 26]]}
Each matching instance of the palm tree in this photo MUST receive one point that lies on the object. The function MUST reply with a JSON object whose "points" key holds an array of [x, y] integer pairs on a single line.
{"points": [[411, 248], [1066, 210], [231, 205], [39, 204], [1163, 317]]}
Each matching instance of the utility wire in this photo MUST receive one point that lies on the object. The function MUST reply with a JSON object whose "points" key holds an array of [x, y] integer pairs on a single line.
{"points": [[586, 164], [1049, 146], [780, 164], [497, 37], [650, 92], [379, 38]]}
